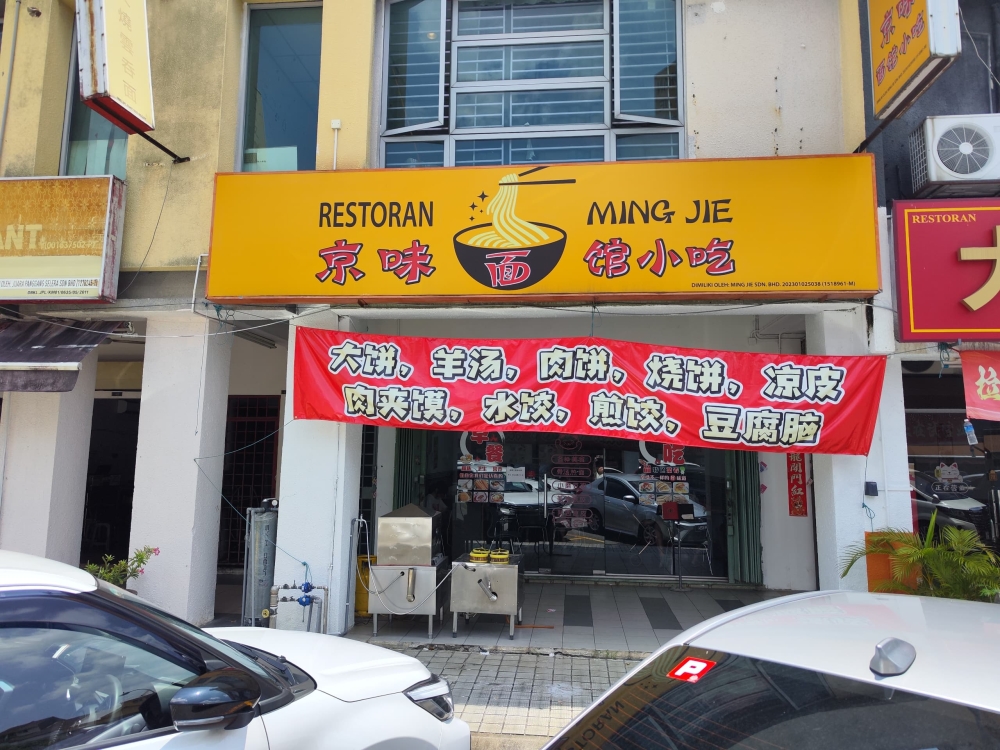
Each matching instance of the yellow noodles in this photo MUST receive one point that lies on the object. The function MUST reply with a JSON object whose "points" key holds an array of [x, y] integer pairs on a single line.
{"points": [[508, 230]]}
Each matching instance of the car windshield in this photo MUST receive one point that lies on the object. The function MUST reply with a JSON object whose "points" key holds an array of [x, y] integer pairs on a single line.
{"points": [[693, 699], [204, 639]]}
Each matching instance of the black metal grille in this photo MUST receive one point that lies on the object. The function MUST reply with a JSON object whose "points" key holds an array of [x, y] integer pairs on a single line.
{"points": [[980, 518], [250, 467], [369, 441]]}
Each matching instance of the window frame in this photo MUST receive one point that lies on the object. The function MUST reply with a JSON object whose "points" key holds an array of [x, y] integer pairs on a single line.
{"points": [[561, 84], [610, 141], [384, 98], [241, 100], [531, 35], [616, 51], [525, 41]]}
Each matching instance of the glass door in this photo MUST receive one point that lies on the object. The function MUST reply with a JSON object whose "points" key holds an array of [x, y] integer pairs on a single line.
{"points": [[572, 483]]}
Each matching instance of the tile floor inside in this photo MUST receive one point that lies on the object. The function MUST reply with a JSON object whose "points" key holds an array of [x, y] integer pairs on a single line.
{"points": [[572, 616]]}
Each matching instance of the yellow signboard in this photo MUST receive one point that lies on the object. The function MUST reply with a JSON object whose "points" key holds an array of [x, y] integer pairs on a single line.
{"points": [[113, 49], [911, 43], [692, 229], [60, 238]]}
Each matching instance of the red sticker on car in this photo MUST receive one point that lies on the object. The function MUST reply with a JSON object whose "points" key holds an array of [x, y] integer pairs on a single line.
{"points": [[691, 669]]}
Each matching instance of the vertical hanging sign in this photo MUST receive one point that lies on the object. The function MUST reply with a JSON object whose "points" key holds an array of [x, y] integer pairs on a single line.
{"points": [[912, 42], [113, 58], [797, 485]]}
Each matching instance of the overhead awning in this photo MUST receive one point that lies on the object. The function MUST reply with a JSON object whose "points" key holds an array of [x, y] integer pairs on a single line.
{"points": [[46, 357]]}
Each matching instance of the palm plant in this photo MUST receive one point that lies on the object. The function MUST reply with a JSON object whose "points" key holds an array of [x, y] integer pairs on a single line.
{"points": [[954, 563]]}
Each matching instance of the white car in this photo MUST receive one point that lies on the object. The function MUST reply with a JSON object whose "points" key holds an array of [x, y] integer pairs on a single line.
{"points": [[817, 671], [85, 664]]}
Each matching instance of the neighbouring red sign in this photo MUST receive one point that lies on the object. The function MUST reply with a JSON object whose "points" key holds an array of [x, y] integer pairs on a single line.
{"points": [[948, 269], [797, 485], [981, 373], [691, 669], [590, 386]]}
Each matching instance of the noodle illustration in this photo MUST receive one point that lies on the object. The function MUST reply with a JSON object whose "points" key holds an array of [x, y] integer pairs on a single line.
{"points": [[508, 230]]}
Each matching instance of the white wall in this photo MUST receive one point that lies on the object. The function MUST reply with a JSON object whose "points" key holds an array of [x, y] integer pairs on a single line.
{"points": [[789, 552], [176, 501], [763, 78], [45, 468], [256, 370]]}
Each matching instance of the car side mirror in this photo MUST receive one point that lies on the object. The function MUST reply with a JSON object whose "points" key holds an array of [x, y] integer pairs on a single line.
{"points": [[221, 699], [630, 498], [936, 498]]}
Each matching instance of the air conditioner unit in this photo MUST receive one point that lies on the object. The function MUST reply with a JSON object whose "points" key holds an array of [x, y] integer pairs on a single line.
{"points": [[956, 157]]}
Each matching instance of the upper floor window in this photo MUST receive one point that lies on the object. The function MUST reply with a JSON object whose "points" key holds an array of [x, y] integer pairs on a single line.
{"points": [[281, 110], [474, 82], [93, 145]]}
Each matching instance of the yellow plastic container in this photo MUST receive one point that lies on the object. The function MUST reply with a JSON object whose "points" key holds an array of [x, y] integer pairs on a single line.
{"points": [[479, 555], [500, 557], [361, 584]]}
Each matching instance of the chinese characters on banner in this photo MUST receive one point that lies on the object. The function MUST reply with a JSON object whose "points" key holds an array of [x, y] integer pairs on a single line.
{"points": [[713, 399], [981, 373], [797, 485]]}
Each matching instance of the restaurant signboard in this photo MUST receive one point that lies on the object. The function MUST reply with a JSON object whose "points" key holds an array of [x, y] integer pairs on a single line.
{"points": [[113, 58], [911, 43], [590, 386], [60, 238], [628, 231], [948, 269]]}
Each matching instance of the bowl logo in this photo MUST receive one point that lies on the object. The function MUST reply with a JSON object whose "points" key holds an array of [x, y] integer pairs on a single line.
{"points": [[510, 253]]}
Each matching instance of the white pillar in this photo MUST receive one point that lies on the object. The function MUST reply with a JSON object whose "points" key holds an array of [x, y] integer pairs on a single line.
{"points": [[185, 382], [841, 518], [45, 468], [320, 485]]}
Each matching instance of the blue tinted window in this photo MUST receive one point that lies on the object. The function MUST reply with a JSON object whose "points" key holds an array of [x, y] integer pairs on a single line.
{"points": [[282, 100], [414, 154]]}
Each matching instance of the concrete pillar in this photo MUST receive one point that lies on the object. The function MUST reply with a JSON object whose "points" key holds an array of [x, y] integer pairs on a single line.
{"points": [[320, 485], [185, 382], [45, 468], [841, 519]]}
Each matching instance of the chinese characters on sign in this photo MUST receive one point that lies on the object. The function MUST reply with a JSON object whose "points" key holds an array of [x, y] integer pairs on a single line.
{"points": [[797, 505], [948, 269], [591, 386], [981, 373]]}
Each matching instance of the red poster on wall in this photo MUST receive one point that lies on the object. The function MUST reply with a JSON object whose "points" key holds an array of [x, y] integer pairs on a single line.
{"points": [[590, 386], [797, 505], [982, 384]]}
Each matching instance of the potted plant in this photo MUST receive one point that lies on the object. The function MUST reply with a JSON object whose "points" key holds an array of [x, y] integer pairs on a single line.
{"points": [[120, 572], [952, 563]]}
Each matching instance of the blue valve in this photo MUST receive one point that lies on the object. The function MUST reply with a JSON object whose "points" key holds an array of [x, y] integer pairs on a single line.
{"points": [[306, 587], [305, 600]]}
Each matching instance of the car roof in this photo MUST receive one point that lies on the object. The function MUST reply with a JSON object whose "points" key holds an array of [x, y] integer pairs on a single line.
{"points": [[835, 632], [18, 570]]}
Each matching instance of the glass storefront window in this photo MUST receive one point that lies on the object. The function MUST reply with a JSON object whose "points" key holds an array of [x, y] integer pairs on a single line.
{"points": [[95, 146], [574, 505], [282, 89]]}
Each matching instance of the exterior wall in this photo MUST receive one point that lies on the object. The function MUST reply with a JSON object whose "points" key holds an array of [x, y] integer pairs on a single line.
{"points": [[45, 468], [255, 370], [178, 471], [772, 78], [787, 542]]}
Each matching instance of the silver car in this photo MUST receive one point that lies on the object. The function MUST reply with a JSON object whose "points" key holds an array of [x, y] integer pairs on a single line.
{"points": [[815, 671]]}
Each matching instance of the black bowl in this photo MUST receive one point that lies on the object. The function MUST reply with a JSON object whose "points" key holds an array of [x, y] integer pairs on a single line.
{"points": [[524, 266]]}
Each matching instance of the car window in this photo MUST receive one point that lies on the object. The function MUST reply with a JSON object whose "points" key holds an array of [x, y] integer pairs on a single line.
{"points": [[617, 489], [518, 487], [716, 700], [62, 686]]}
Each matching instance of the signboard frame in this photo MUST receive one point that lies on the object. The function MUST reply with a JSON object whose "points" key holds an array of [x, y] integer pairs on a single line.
{"points": [[106, 289], [920, 61], [911, 281], [102, 54], [802, 227]]}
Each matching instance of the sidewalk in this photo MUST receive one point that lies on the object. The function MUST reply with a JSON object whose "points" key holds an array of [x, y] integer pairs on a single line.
{"points": [[632, 620]]}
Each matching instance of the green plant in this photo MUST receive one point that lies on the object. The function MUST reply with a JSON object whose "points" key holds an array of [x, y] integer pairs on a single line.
{"points": [[952, 563], [122, 571]]}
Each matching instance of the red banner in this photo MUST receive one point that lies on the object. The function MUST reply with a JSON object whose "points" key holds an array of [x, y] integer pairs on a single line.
{"points": [[980, 372], [590, 386], [797, 505]]}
